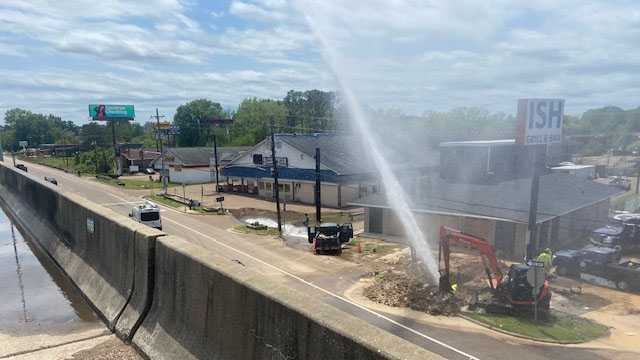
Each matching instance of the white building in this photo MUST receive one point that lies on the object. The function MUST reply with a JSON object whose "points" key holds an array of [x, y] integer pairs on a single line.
{"points": [[195, 165], [346, 175]]}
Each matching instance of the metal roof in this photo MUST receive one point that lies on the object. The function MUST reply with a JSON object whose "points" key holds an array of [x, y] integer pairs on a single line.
{"points": [[508, 201], [201, 156]]}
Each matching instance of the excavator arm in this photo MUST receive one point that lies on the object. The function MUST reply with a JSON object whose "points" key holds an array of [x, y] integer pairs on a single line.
{"points": [[487, 254]]}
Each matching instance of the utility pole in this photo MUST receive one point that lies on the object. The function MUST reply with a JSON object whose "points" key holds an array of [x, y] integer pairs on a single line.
{"points": [[215, 159], [158, 138], [160, 148], [95, 154], [276, 188], [317, 194], [538, 163], [113, 137]]}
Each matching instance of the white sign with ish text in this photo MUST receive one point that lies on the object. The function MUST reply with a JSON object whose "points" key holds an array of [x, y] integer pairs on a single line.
{"points": [[540, 121]]}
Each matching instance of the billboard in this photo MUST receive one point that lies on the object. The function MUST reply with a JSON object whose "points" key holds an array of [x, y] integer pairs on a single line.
{"points": [[104, 112], [540, 121]]}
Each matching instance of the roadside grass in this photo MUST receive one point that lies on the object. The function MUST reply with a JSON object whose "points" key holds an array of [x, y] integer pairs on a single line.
{"points": [[130, 183], [178, 205], [247, 230], [58, 163], [559, 327], [164, 201]]}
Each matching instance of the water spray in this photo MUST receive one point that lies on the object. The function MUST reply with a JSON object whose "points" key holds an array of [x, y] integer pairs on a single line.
{"points": [[395, 194]]}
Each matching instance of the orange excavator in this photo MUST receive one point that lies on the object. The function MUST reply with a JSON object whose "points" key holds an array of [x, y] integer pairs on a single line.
{"points": [[511, 293]]}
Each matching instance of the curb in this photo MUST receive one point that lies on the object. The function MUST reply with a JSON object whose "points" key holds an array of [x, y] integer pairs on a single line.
{"points": [[506, 332]]}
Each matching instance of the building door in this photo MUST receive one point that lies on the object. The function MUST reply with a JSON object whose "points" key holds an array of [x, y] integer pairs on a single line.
{"points": [[505, 237], [375, 220]]}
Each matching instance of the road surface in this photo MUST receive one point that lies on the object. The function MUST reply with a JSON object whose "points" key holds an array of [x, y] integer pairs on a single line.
{"points": [[324, 278]]}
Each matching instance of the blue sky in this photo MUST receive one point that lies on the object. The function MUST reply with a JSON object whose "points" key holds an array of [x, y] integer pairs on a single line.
{"points": [[58, 56]]}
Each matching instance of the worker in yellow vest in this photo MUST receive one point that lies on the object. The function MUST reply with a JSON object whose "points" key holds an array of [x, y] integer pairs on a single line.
{"points": [[546, 258]]}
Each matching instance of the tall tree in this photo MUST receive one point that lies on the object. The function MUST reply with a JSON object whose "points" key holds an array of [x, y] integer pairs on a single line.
{"points": [[310, 110], [190, 119], [24, 125], [253, 119]]}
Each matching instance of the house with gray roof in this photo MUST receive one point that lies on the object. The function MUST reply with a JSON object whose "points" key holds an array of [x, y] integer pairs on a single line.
{"points": [[483, 188], [346, 172], [195, 165]]}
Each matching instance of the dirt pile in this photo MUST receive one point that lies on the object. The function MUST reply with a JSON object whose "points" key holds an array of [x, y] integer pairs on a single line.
{"points": [[403, 284], [394, 288]]}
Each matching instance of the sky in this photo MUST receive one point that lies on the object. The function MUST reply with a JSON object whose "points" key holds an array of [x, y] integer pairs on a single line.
{"points": [[416, 56]]}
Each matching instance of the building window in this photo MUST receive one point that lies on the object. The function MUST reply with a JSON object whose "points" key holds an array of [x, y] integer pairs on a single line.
{"points": [[257, 159], [268, 185], [261, 185], [287, 188]]}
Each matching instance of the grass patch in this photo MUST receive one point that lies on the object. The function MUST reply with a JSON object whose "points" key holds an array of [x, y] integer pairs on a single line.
{"points": [[59, 163], [164, 201], [178, 205], [130, 183], [247, 230], [559, 327]]}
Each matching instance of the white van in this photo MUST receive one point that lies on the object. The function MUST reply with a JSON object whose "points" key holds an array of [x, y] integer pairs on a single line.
{"points": [[147, 214]]}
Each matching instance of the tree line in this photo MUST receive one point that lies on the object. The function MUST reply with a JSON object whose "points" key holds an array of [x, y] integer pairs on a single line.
{"points": [[299, 111], [604, 129]]}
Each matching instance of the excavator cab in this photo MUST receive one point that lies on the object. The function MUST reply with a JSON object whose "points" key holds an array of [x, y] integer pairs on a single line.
{"points": [[516, 289]]}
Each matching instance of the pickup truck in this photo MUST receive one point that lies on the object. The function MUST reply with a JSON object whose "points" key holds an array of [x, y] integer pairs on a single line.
{"points": [[599, 265], [622, 232]]}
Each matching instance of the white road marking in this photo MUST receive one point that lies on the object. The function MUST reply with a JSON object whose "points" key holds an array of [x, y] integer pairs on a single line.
{"points": [[312, 285], [416, 332]]}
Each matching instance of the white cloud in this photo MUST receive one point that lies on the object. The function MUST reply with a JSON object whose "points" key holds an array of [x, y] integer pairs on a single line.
{"points": [[256, 12], [415, 55]]}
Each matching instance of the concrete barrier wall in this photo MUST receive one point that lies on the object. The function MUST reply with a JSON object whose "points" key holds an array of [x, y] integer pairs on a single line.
{"points": [[177, 301], [208, 307], [106, 254]]}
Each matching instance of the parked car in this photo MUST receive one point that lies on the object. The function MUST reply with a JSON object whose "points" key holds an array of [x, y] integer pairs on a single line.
{"points": [[149, 171], [22, 167], [623, 232], [51, 180], [620, 181], [599, 265]]}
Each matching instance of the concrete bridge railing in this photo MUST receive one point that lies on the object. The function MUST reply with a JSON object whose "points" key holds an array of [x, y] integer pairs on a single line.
{"points": [[173, 299]]}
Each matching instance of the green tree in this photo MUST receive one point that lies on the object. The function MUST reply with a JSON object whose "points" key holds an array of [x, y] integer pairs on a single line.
{"points": [[95, 132], [35, 128], [253, 119], [310, 110], [189, 118]]}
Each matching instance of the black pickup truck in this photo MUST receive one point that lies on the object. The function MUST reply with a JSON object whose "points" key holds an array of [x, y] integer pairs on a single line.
{"points": [[622, 232], [599, 265]]}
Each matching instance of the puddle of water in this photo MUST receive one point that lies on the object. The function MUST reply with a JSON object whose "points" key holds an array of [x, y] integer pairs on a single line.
{"points": [[34, 290], [287, 229]]}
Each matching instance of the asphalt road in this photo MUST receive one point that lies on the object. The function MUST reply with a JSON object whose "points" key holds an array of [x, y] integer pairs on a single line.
{"points": [[316, 276]]}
